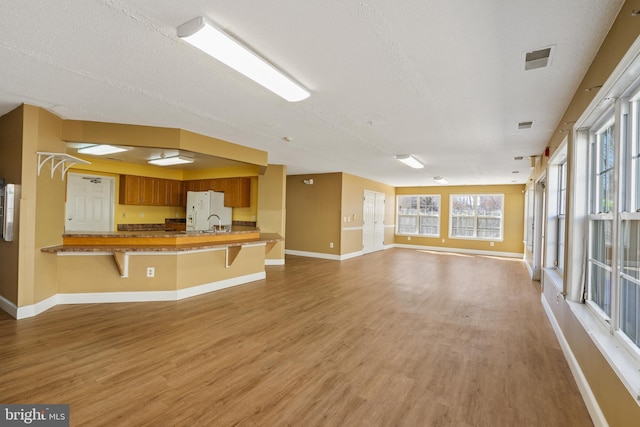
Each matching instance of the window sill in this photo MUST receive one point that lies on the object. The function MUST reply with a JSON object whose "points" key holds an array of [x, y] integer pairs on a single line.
{"points": [[625, 365], [555, 279]]}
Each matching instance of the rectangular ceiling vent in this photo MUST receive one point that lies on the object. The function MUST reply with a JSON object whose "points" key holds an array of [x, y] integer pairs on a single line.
{"points": [[525, 125], [537, 58]]}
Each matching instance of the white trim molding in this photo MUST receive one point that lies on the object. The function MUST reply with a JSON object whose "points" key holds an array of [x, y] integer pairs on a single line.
{"points": [[583, 385], [115, 297]]}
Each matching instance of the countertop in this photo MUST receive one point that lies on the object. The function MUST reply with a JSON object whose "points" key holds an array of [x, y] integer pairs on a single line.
{"points": [[236, 229], [239, 231]]}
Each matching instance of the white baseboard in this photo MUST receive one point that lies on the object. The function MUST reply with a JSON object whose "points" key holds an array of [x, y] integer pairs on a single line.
{"points": [[114, 297], [274, 261], [404, 246], [7, 306], [460, 251], [312, 254], [583, 385]]}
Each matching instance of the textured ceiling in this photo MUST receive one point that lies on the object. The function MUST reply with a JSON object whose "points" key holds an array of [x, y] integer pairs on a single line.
{"points": [[443, 80]]}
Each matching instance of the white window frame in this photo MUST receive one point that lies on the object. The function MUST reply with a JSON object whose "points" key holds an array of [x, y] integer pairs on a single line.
{"points": [[418, 216], [561, 218], [475, 217], [609, 304]]}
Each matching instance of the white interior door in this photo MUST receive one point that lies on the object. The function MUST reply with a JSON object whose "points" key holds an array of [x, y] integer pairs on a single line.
{"points": [[90, 203], [373, 221]]}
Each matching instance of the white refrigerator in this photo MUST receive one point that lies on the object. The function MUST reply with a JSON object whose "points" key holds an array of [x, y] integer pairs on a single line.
{"points": [[202, 206]]}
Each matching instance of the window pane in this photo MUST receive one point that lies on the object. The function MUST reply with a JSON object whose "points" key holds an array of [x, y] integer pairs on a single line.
{"points": [[490, 206], [631, 248], [463, 205], [560, 245], [429, 225], [489, 227], [462, 226], [604, 172], [630, 310], [429, 205], [562, 189], [601, 249], [407, 205], [407, 224], [601, 288]]}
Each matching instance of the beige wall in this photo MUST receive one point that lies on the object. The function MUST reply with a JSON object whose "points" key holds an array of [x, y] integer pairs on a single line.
{"points": [[513, 218], [11, 171]]}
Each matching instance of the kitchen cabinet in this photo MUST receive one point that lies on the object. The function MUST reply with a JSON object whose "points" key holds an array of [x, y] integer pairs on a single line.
{"points": [[142, 190], [237, 193], [136, 190], [168, 192]]}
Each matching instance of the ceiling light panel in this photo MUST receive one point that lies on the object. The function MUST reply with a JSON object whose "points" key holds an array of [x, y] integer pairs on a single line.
{"points": [[168, 161], [100, 150], [207, 37], [410, 161]]}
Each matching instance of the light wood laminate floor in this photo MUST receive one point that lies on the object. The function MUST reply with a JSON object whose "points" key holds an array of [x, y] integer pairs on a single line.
{"points": [[399, 337]]}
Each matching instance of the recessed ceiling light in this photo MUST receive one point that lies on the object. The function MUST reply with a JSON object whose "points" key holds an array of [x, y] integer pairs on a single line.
{"points": [[204, 35], [168, 161], [100, 150], [410, 161]]}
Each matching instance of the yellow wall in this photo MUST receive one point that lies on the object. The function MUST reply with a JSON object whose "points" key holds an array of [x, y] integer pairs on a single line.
{"points": [[353, 188], [151, 136], [513, 218], [331, 210], [272, 196], [135, 214], [314, 213], [11, 171], [617, 405]]}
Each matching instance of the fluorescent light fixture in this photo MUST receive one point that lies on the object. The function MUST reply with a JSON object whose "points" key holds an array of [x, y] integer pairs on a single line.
{"points": [[202, 34], [168, 161], [440, 180], [100, 150], [410, 161]]}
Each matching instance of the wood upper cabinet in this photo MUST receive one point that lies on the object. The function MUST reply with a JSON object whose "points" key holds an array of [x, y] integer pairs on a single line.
{"points": [[136, 190], [142, 190], [237, 193]]}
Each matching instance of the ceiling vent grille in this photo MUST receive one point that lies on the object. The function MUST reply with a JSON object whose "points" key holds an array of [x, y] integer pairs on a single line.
{"points": [[537, 58], [525, 125]]}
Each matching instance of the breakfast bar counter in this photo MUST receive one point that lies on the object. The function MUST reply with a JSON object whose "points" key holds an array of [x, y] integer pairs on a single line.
{"points": [[157, 265]]}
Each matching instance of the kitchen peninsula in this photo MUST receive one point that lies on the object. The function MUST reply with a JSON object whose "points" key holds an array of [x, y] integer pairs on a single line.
{"points": [[157, 265]]}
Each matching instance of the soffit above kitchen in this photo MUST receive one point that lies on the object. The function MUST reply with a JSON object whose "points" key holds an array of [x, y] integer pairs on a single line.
{"points": [[444, 81]]}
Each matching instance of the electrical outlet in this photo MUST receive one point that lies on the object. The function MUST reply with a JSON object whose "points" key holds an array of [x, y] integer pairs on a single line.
{"points": [[491, 243], [331, 245], [151, 272], [442, 240], [141, 214], [409, 238]]}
